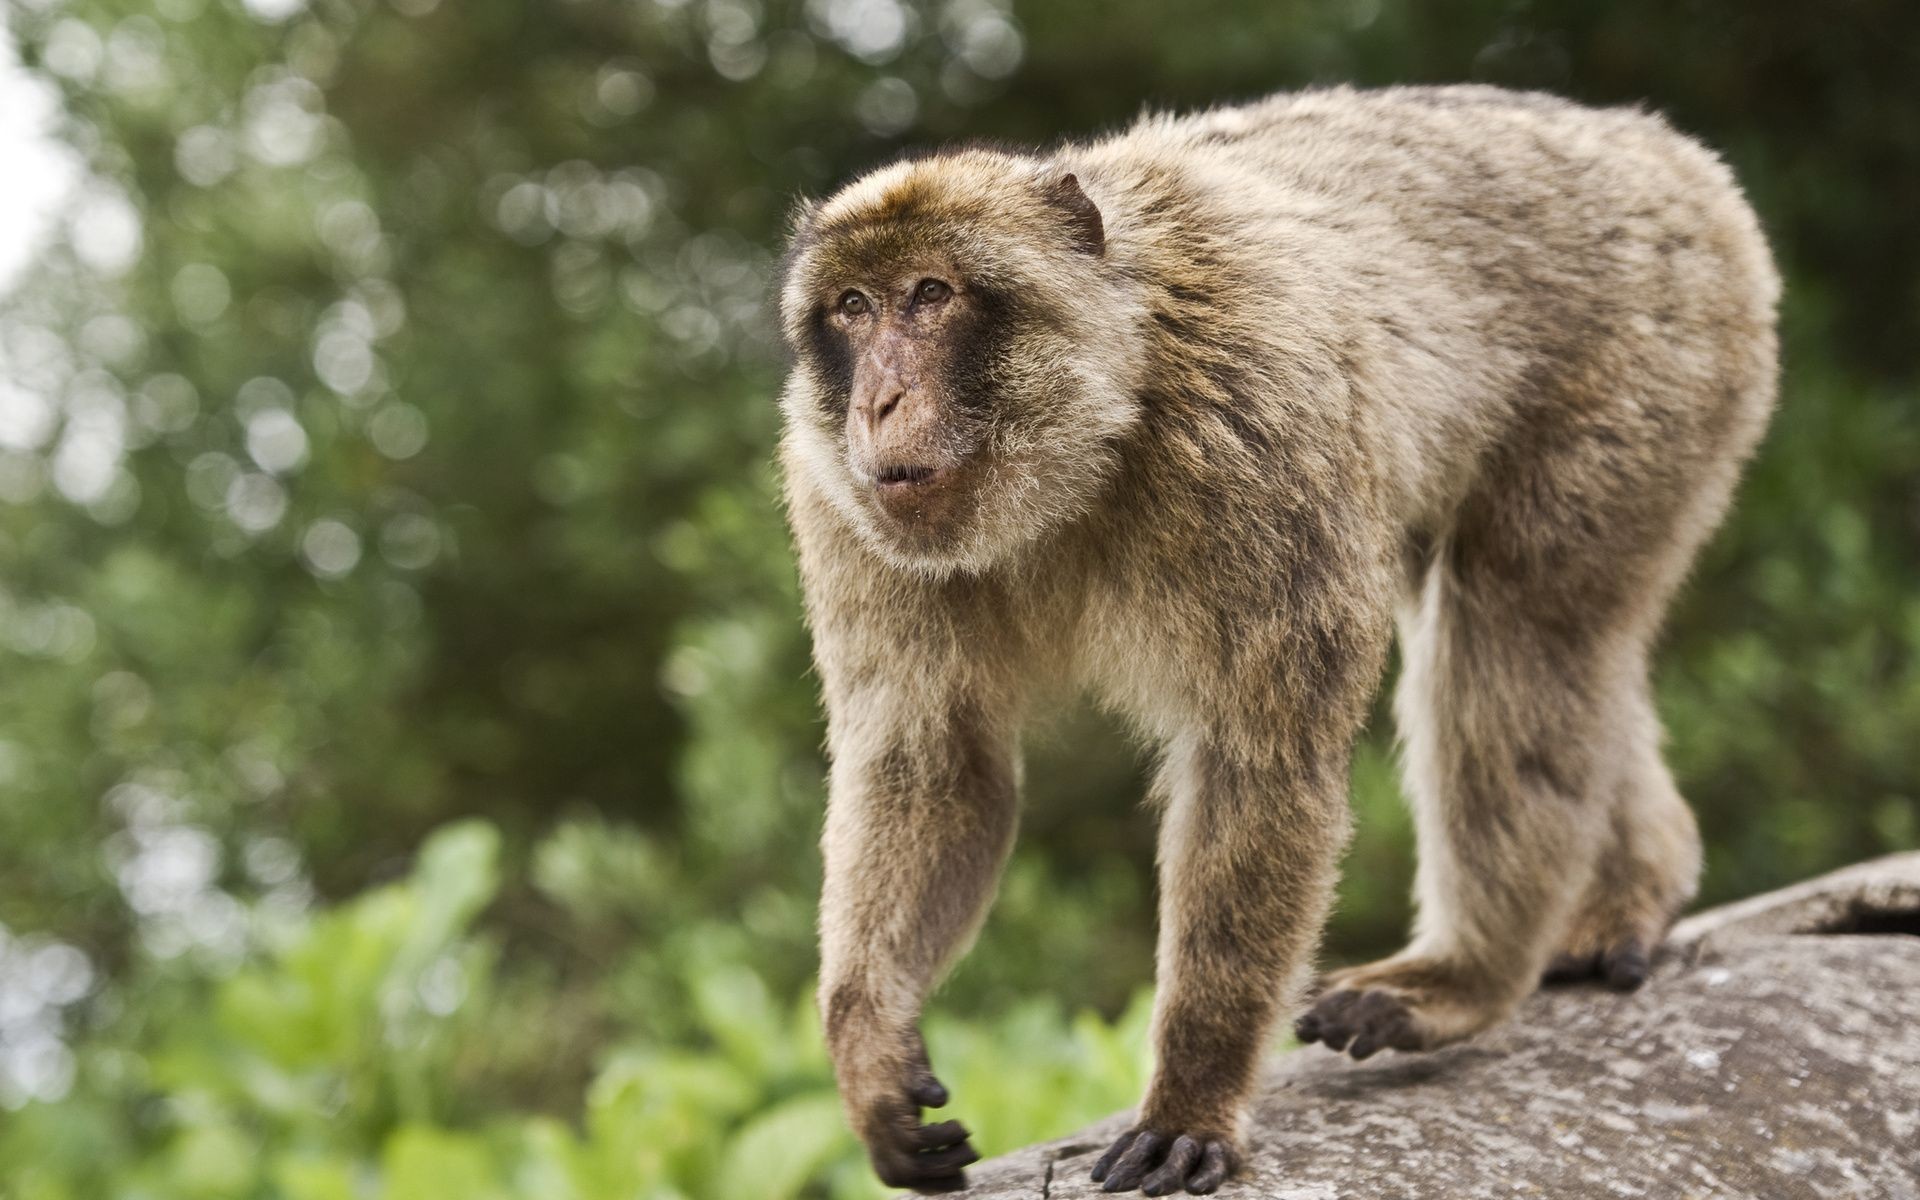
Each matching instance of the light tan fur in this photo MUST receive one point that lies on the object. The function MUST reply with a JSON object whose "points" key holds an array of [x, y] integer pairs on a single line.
{"points": [[1487, 363]]}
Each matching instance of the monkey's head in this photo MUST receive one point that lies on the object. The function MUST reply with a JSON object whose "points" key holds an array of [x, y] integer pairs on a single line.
{"points": [[965, 356]]}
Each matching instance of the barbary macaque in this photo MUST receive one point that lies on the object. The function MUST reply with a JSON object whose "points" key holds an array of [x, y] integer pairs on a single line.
{"points": [[1194, 417]]}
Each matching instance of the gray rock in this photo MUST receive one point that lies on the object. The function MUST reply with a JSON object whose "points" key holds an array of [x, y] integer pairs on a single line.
{"points": [[1774, 1054]]}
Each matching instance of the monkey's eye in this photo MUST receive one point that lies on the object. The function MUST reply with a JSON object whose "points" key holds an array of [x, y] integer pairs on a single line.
{"points": [[931, 291], [853, 304]]}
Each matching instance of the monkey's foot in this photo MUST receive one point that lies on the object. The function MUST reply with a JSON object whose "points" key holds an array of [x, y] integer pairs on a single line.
{"points": [[1398, 1004], [1622, 966], [1613, 943], [1160, 1164], [907, 1153]]}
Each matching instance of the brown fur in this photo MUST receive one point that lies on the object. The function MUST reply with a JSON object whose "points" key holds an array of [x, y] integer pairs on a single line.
{"points": [[1486, 362]]}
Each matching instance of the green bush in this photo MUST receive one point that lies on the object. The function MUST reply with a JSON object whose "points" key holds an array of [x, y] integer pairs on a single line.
{"points": [[350, 1061]]}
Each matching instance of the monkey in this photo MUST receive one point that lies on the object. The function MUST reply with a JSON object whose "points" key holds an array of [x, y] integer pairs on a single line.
{"points": [[1197, 418]]}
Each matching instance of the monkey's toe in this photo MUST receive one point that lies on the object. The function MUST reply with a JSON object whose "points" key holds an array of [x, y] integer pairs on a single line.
{"points": [[1361, 1023], [1160, 1164], [1623, 966]]}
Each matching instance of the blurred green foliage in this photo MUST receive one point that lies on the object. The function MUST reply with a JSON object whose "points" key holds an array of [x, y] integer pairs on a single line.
{"points": [[385, 443], [335, 1067]]}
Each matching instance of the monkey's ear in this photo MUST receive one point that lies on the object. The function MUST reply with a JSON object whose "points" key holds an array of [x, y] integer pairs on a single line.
{"points": [[800, 212], [1085, 227]]}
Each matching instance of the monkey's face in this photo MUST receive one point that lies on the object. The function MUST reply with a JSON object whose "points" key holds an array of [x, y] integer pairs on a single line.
{"points": [[917, 353], [962, 361]]}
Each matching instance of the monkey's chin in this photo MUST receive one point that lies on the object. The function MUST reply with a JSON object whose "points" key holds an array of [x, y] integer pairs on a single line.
{"points": [[922, 523]]}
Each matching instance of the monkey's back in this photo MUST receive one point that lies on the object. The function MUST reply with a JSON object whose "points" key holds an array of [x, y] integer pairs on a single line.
{"points": [[1487, 267]]}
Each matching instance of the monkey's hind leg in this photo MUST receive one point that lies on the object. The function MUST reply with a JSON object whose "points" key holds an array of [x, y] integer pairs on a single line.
{"points": [[1512, 721], [1647, 872]]}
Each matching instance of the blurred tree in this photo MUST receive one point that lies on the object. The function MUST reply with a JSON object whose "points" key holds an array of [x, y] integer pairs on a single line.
{"points": [[385, 439]]}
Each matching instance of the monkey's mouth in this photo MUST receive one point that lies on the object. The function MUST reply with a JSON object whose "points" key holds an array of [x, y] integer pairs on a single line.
{"points": [[904, 476], [919, 498]]}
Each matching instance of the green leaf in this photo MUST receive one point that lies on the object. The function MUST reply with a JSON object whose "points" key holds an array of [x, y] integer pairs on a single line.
{"points": [[774, 1155], [424, 1163]]}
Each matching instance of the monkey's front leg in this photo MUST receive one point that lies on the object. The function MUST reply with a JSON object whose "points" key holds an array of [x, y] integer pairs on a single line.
{"points": [[1248, 854], [919, 821]]}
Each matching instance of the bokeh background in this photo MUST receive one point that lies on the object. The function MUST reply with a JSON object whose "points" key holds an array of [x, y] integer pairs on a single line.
{"points": [[409, 769]]}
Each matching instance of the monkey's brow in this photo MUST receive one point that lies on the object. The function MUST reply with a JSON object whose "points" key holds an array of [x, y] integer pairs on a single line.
{"points": [[899, 282]]}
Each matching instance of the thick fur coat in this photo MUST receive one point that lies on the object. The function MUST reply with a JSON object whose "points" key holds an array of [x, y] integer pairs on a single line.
{"points": [[1236, 395]]}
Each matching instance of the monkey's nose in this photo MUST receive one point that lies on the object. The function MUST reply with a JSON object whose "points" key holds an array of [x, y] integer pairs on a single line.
{"points": [[880, 406]]}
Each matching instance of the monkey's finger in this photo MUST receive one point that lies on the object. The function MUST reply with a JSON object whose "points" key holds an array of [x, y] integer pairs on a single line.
{"points": [[1113, 1154], [1404, 1034], [1307, 1028], [1172, 1174], [1136, 1162], [1334, 1019], [1215, 1165], [946, 1162], [1625, 966], [1568, 968], [1369, 1018], [1383, 1020], [935, 1137], [922, 1087], [921, 1172], [926, 1091], [1335, 1035]]}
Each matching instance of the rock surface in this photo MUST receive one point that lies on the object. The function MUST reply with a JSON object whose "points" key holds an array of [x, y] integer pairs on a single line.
{"points": [[1774, 1054]]}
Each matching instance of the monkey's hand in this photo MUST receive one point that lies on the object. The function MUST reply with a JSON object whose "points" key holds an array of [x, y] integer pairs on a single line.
{"points": [[885, 1102], [1160, 1163]]}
